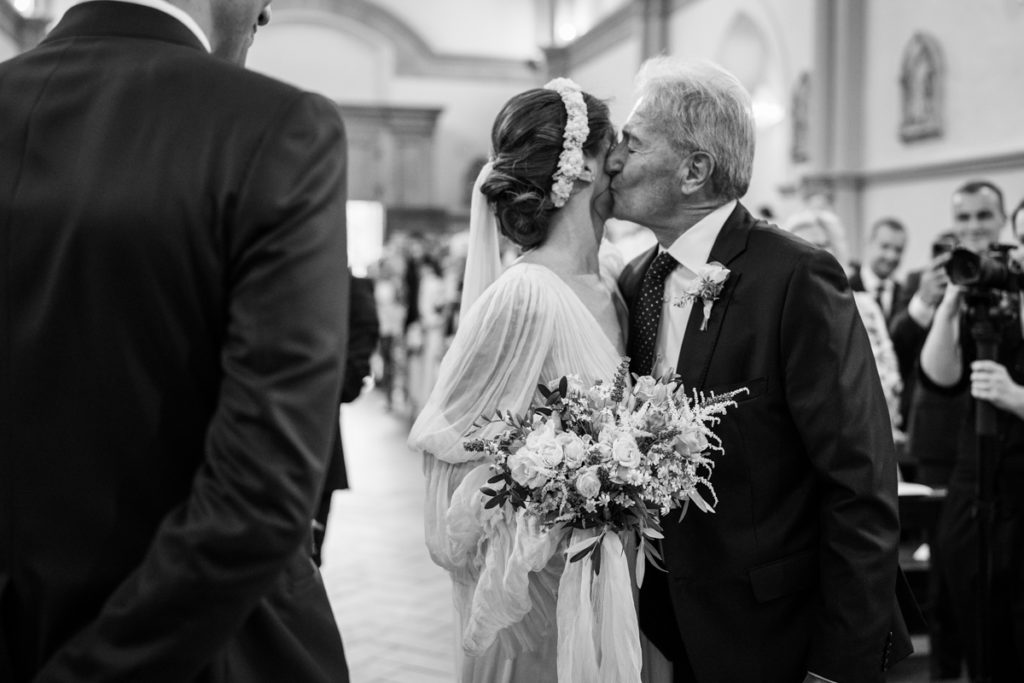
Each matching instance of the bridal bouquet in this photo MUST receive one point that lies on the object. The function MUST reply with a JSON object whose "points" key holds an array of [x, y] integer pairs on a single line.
{"points": [[607, 458], [601, 464]]}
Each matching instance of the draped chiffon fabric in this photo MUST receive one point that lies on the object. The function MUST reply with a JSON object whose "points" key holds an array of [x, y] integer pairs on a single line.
{"points": [[531, 326]]}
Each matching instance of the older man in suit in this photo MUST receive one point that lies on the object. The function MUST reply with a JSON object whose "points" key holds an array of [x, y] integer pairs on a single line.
{"points": [[172, 330], [794, 577]]}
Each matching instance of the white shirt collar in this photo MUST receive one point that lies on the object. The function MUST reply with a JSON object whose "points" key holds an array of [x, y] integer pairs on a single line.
{"points": [[693, 247], [176, 12]]}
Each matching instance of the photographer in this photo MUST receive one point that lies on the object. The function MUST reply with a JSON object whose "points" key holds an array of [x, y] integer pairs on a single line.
{"points": [[949, 364]]}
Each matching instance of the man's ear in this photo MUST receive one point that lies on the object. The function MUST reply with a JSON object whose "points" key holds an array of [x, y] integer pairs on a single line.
{"points": [[695, 172]]}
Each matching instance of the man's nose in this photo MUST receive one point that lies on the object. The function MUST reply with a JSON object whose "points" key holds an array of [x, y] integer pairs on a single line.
{"points": [[613, 162]]}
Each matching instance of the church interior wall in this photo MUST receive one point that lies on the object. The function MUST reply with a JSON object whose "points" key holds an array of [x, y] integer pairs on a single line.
{"points": [[482, 27], [981, 131], [609, 76], [322, 46], [352, 65]]}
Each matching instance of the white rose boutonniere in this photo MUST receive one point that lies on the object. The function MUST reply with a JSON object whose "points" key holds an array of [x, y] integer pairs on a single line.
{"points": [[707, 287]]}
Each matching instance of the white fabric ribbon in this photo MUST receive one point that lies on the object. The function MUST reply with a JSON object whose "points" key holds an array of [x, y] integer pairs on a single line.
{"points": [[598, 633]]}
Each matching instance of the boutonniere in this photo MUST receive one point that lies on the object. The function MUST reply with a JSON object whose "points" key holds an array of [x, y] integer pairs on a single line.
{"points": [[707, 287]]}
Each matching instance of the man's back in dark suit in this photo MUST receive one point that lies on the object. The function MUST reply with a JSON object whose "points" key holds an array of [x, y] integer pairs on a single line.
{"points": [[170, 358]]}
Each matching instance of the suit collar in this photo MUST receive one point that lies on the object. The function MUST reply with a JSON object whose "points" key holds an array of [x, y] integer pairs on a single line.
{"points": [[113, 18], [693, 247]]}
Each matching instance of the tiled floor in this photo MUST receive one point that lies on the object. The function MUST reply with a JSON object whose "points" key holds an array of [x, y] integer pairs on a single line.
{"points": [[392, 603]]}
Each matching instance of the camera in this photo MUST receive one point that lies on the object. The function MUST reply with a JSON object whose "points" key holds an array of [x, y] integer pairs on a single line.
{"points": [[993, 269]]}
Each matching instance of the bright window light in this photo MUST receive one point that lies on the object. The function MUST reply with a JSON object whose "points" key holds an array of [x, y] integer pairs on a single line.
{"points": [[365, 234]]}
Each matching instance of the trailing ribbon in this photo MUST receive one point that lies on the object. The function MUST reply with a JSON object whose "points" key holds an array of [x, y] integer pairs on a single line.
{"points": [[598, 633]]}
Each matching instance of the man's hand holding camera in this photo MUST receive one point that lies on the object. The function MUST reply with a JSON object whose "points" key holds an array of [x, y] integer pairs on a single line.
{"points": [[934, 280]]}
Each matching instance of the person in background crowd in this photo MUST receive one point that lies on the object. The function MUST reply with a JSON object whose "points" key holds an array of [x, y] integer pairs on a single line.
{"points": [[391, 315], [882, 256], [949, 364], [363, 334], [1017, 223], [935, 415], [172, 338]]}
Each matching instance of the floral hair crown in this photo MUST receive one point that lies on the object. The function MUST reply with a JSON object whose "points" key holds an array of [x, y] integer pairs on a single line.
{"points": [[570, 161]]}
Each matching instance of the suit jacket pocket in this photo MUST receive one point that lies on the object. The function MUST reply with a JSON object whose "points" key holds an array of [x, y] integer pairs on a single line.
{"points": [[754, 389], [789, 575]]}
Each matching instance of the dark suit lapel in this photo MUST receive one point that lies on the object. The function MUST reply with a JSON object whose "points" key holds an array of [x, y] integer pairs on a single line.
{"points": [[633, 275], [698, 345]]}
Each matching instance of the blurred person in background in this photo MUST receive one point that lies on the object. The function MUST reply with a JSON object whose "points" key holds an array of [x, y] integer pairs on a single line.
{"points": [[877, 274], [1017, 223], [949, 365], [363, 333], [391, 316], [425, 357], [934, 415]]}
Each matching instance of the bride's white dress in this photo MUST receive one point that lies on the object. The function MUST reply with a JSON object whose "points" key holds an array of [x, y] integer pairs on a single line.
{"points": [[531, 326]]}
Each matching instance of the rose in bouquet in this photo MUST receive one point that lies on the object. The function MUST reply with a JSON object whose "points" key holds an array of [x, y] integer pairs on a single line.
{"points": [[601, 464], [609, 458]]}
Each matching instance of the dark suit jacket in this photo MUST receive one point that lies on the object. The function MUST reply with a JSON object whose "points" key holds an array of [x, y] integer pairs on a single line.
{"points": [[899, 297], [796, 570], [171, 345], [930, 418], [363, 333]]}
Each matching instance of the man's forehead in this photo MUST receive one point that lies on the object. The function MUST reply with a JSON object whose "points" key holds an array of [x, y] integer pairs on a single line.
{"points": [[983, 198]]}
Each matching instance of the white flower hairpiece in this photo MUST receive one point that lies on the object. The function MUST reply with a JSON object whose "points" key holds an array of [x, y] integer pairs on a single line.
{"points": [[570, 161]]}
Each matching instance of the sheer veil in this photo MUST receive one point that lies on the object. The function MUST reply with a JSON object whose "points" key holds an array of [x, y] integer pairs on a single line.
{"points": [[483, 260]]}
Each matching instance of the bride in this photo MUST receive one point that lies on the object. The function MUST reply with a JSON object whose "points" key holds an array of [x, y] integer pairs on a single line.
{"points": [[555, 311]]}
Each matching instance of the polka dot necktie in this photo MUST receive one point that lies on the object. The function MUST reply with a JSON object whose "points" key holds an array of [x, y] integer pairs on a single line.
{"points": [[646, 315]]}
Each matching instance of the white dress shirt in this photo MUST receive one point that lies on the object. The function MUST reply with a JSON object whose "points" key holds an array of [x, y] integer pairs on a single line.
{"points": [[692, 250], [176, 12]]}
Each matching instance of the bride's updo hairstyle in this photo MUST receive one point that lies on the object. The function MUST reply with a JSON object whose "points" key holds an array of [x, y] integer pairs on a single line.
{"points": [[527, 139]]}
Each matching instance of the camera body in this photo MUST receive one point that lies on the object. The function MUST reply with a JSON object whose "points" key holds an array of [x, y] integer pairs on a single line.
{"points": [[991, 270]]}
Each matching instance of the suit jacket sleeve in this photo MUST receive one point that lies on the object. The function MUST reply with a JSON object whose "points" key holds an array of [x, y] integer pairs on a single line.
{"points": [[844, 424], [222, 549], [363, 333]]}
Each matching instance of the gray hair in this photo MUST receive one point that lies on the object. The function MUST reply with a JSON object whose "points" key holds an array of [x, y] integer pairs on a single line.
{"points": [[699, 106]]}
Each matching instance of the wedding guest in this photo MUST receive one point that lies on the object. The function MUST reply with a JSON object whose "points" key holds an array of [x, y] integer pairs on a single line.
{"points": [[978, 218], [1017, 223], [363, 333], [391, 314], [934, 415], [908, 327], [876, 275], [949, 363], [171, 348]]}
